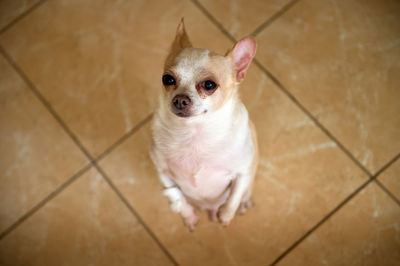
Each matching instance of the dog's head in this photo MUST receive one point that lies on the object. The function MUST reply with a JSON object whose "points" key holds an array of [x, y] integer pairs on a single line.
{"points": [[197, 81]]}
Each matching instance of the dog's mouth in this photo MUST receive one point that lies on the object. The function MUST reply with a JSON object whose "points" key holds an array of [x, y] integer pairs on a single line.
{"points": [[182, 114]]}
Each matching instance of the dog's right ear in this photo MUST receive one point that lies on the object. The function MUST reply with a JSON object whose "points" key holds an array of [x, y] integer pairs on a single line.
{"points": [[181, 39]]}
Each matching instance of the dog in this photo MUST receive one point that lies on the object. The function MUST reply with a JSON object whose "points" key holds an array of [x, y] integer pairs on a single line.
{"points": [[204, 145]]}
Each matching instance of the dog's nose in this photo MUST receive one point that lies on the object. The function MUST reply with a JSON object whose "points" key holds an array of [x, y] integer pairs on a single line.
{"points": [[181, 102]]}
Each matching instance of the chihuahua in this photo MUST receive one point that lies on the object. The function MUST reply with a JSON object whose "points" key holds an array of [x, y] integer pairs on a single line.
{"points": [[204, 145]]}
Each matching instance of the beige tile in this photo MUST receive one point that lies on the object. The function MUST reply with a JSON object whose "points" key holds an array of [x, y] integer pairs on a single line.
{"points": [[366, 231], [341, 59], [242, 17], [302, 176], [11, 9], [36, 154], [101, 71], [86, 224], [391, 179]]}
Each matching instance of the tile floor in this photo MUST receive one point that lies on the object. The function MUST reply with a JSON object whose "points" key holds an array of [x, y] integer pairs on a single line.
{"points": [[79, 81]]}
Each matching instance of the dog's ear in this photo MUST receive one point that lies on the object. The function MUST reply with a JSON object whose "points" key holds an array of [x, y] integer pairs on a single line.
{"points": [[181, 39], [241, 55]]}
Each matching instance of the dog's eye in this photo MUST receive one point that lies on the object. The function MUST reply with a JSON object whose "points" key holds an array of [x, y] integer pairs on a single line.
{"points": [[209, 85], [168, 80]]}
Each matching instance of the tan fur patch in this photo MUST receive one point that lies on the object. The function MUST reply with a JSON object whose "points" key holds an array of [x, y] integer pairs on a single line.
{"points": [[220, 66]]}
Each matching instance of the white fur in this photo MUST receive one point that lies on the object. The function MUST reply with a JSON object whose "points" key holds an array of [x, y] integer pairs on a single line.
{"points": [[174, 195], [205, 159]]}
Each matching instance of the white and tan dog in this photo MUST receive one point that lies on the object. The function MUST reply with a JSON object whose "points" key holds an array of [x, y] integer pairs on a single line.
{"points": [[204, 144]]}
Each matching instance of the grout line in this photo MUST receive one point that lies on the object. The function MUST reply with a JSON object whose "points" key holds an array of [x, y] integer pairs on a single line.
{"points": [[45, 200], [83, 149], [315, 227], [274, 17], [48, 106], [387, 191], [309, 115], [124, 137], [387, 165], [214, 20], [383, 187], [137, 216], [21, 16], [337, 208]]}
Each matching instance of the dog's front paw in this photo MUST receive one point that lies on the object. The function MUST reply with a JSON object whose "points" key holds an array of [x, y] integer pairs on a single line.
{"points": [[191, 221], [244, 206], [225, 215]]}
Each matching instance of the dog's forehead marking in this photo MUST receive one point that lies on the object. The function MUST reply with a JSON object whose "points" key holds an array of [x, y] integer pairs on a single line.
{"points": [[191, 62]]}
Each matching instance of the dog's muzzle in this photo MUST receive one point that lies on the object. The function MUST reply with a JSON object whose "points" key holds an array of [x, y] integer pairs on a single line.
{"points": [[181, 105]]}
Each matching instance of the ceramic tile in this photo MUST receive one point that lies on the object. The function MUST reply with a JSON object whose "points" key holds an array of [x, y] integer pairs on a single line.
{"points": [[86, 224], [36, 155], [242, 17], [101, 70], [340, 59], [391, 179], [300, 167], [11, 9], [366, 231]]}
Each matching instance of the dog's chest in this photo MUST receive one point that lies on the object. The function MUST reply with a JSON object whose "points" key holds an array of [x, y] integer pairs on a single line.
{"points": [[201, 169]]}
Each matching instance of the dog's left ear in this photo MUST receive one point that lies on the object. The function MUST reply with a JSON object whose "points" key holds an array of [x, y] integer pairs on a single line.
{"points": [[181, 39], [241, 56]]}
